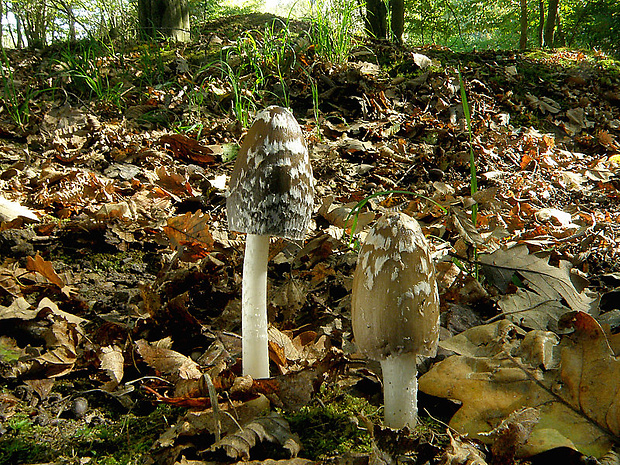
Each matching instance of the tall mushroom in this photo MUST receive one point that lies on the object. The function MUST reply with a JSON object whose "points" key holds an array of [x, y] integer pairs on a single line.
{"points": [[271, 194], [395, 310]]}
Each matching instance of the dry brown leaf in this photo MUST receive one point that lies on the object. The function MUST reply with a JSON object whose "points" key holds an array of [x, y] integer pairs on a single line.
{"points": [[511, 434], [272, 428], [465, 227], [227, 420], [10, 210], [168, 361], [579, 402], [113, 363], [46, 306], [61, 340], [462, 452], [44, 268], [544, 285], [190, 235], [9, 278], [42, 387], [20, 308], [175, 183], [340, 215], [187, 148]]}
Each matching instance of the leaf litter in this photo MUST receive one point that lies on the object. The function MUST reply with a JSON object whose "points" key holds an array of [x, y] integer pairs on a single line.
{"points": [[120, 280]]}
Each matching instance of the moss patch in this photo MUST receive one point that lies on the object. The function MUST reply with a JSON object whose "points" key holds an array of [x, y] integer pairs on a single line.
{"points": [[331, 424], [111, 442]]}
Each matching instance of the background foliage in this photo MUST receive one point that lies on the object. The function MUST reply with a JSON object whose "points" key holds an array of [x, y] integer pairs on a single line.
{"points": [[459, 24]]}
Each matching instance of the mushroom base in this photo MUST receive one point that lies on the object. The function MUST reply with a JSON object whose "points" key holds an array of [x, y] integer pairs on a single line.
{"points": [[255, 348], [400, 390]]}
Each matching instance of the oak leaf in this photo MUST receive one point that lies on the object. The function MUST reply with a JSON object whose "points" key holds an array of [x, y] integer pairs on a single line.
{"points": [[498, 371]]}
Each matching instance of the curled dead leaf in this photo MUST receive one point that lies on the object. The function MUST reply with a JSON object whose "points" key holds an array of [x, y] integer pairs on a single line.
{"points": [[271, 428], [112, 362]]}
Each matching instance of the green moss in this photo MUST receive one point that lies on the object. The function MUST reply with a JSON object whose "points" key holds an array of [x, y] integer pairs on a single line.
{"points": [[331, 424], [119, 262], [123, 441]]}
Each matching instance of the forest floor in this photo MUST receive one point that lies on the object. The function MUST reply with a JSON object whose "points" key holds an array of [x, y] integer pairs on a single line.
{"points": [[120, 281]]}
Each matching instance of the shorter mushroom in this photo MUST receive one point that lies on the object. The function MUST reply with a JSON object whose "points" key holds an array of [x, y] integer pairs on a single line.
{"points": [[395, 310]]}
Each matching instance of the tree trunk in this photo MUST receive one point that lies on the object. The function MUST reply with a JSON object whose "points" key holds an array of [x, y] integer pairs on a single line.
{"points": [[18, 32], [164, 18], [550, 25], [1, 15], [560, 37], [71, 19], [524, 22], [376, 18], [541, 22], [398, 19]]}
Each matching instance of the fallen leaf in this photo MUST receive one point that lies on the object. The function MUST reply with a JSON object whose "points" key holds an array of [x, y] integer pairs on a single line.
{"points": [[112, 362], [462, 452], [44, 268], [42, 387], [187, 148], [465, 227], [543, 285], [168, 361], [272, 428], [512, 433], [10, 210], [340, 215], [189, 234], [557, 217], [578, 402]]}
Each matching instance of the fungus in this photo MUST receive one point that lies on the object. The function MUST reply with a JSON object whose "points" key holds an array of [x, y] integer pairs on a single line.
{"points": [[395, 310], [271, 194]]}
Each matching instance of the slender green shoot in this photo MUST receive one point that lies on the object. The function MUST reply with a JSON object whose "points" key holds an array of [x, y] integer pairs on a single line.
{"points": [[357, 209], [472, 159], [16, 99], [333, 27], [242, 103], [472, 166]]}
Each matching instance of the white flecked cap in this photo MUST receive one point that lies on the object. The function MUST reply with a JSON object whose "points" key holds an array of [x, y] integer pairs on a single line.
{"points": [[395, 302], [271, 186]]}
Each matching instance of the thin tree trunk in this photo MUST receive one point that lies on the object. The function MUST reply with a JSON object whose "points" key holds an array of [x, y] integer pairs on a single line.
{"points": [[376, 18], [164, 18], [550, 25], [560, 37], [18, 31], [541, 22], [398, 19], [524, 22], [1, 31]]}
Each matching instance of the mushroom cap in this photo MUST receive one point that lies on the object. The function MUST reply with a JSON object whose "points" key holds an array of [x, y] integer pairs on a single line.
{"points": [[395, 302], [271, 186]]}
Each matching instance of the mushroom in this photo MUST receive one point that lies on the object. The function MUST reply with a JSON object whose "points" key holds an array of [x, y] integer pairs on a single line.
{"points": [[395, 310], [271, 194]]}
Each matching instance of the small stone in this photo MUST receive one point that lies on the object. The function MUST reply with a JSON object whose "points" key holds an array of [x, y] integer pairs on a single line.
{"points": [[79, 407]]}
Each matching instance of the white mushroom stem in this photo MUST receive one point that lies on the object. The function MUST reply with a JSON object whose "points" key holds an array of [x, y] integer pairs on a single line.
{"points": [[400, 390], [255, 349]]}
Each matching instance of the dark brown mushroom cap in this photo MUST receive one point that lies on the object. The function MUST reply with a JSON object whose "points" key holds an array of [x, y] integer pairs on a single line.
{"points": [[271, 186], [395, 303]]}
